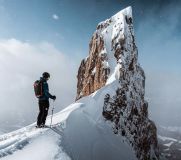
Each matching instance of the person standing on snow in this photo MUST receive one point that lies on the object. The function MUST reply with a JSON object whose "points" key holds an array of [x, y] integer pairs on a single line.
{"points": [[43, 100]]}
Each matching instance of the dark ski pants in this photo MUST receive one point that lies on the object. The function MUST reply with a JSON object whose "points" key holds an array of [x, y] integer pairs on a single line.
{"points": [[43, 112]]}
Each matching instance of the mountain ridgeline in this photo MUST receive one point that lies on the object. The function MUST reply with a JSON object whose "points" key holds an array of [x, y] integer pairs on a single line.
{"points": [[113, 61]]}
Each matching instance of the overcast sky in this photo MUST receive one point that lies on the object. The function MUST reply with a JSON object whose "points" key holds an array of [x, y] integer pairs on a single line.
{"points": [[54, 35]]}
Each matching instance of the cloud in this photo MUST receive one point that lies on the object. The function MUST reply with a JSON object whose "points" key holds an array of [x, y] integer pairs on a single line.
{"points": [[159, 53], [159, 37], [22, 63], [163, 92], [54, 16]]}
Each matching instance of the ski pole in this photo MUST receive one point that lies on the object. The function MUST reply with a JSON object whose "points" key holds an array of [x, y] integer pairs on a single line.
{"points": [[52, 114]]}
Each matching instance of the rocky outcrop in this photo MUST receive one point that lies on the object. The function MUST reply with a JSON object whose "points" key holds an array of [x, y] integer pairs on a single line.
{"points": [[113, 61], [93, 71]]}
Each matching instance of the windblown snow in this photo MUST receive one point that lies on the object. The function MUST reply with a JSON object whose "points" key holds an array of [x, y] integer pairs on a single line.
{"points": [[85, 135]]}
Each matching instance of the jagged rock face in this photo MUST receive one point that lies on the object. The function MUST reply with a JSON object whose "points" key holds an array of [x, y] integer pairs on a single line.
{"points": [[93, 71], [113, 59]]}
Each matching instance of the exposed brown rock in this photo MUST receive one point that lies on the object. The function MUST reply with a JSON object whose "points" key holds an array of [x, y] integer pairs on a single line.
{"points": [[92, 74], [126, 108]]}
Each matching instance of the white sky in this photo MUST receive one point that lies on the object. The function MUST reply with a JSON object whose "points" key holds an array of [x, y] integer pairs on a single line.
{"points": [[20, 65]]}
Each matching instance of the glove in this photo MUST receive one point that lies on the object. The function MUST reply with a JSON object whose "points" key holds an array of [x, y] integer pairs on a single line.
{"points": [[54, 97]]}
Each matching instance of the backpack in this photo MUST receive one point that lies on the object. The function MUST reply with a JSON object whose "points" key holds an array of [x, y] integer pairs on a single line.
{"points": [[38, 88]]}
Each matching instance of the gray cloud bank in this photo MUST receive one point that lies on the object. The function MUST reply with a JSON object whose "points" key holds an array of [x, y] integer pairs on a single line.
{"points": [[158, 35], [163, 94], [20, 65]]}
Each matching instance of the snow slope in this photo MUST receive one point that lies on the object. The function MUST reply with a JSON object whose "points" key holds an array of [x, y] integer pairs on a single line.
{"points": [[90, 137], [42, 143], [85, 135]]}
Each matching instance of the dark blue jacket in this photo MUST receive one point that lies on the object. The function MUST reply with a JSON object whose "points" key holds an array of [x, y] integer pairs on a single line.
{"points": [[46, 94]]}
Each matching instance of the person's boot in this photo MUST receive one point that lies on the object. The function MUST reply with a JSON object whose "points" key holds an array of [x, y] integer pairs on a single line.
{"points": [[42, 126], [38, 126]]}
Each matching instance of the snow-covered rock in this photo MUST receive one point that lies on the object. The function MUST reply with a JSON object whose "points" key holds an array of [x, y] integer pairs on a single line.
{"points": [[113, 45], [110, 94], [84, 135]]}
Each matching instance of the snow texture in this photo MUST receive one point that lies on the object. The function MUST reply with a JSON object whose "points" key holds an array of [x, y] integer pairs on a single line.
{"points": [[166, 138], [116, 29]]}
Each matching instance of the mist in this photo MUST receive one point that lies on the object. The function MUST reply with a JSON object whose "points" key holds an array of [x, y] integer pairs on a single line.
{"points": [[158, 38], [22, 63]]}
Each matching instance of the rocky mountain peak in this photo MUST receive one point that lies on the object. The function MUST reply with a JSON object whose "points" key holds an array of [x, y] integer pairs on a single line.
{"points": [[110, 49], [112, 61]]}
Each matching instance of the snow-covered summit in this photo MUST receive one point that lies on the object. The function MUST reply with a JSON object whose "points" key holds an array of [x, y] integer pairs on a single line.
{"points": [[113, 56], [112, 47]]}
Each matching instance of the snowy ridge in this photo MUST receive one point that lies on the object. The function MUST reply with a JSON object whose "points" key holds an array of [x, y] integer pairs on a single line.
{"points": [[17, 140], [82, 121], [166, 138]]}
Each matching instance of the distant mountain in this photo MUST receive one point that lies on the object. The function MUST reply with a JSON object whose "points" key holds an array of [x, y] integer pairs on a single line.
{"points": [[169, 139]]}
